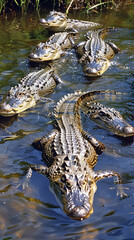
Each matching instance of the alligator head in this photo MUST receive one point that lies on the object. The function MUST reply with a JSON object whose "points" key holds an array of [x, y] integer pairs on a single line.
{"points": [[56, 21], [95, 68], [75, 189], [15, 102], [45, 52], [110, 119]]}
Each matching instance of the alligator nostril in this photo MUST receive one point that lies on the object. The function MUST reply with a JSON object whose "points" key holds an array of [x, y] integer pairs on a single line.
{"points": [[128, 130], [90, 71], [32, 55], [79, 213], [5, 107], [42, 20]]}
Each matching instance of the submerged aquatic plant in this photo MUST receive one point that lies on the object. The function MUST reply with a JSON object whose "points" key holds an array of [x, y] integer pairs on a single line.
{"points": [[99, 4]]}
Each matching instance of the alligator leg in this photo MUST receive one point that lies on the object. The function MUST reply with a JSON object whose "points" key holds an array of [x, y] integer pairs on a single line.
{"points": [[72, 41], [113, 46], [103, 174], [40, 169], [98, 146], [40, 142], [57, 78]]}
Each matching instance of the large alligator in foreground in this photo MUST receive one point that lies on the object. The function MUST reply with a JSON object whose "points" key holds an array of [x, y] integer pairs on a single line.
{"points": [[70, 154], [57, 21], [95, 53], [30, 89]]}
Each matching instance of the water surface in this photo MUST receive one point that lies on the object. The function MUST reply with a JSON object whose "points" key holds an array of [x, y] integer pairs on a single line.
{"points": [[33, 212]]}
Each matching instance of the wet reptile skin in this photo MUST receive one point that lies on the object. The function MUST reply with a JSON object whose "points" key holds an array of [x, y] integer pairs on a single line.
{"points": [[54, 48], [30, 89], [57, 21], [95, 53], [70, 154]]}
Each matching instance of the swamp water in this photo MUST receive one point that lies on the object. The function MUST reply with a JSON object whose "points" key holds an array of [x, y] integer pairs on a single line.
{"points": [[33, 213]]}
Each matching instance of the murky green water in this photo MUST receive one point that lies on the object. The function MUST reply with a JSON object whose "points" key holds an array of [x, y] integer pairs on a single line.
{"points": [[33, 212]]}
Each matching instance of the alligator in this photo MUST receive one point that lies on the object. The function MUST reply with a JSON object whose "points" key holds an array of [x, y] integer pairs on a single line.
{"points": [[70, 154], [57, 21], [53, 49], [95, 53], [29, 91], [108, 118]]}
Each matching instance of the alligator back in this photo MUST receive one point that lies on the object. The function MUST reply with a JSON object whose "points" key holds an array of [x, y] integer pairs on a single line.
{"points": [[28, 91], [70, 135]]}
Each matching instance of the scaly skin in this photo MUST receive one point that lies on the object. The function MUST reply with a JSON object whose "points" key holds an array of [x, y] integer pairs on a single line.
{"points": [[69, 153], [57, 21], [53, 49], [95, 53], [28, 91], [108, 118]]}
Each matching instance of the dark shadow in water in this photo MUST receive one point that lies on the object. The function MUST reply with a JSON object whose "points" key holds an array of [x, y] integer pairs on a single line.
{"points": [[39, 65], [125, 141], [7, 121]]}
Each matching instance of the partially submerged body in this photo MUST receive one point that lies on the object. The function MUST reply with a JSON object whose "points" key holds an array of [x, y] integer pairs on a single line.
{"points": [[53, 48], [70, 154], [95, 53], [26, 94], [57, 21]]}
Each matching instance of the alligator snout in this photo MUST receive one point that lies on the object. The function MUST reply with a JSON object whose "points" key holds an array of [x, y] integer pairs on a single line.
{"points": [[79, 213], [79, 203], [91, 72], [6, 110], [32, 55], [128, 131], [43, 21]]}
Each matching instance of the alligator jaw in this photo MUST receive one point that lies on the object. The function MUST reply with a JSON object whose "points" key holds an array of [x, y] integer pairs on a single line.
{"points": [[6, 110], [79, 203], [126, 131], [43, 21], [80, 213], [96, 68]]}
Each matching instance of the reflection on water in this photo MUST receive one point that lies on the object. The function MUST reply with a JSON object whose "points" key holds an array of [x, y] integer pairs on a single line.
{"points": [[33, 212]]}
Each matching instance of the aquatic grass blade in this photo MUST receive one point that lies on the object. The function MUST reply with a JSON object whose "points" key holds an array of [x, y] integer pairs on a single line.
{"points": [[100, 4]]}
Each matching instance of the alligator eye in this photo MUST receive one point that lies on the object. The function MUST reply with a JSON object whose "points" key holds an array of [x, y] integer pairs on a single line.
{"points": [[68, 184], [20, 94], [102, 113], [63, 178]]}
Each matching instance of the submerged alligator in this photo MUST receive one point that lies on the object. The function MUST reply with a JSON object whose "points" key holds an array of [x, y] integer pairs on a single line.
{"points": [[94, 53], [57, 21], [30, 89], [70, 153], [54, 48]]}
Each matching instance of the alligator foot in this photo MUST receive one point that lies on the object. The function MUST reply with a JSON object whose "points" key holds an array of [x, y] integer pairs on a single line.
{"points": [[28, 176], [40, 169], [98, 146], [120, 191]]}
